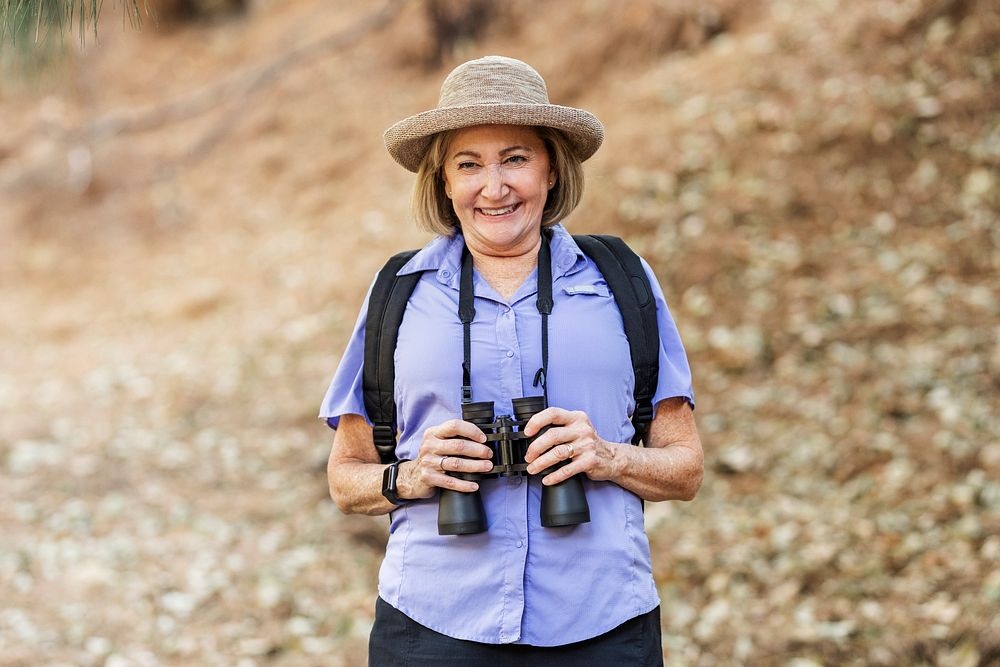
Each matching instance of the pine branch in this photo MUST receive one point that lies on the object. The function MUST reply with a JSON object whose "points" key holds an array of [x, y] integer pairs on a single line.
{"points": [[26, 23]]}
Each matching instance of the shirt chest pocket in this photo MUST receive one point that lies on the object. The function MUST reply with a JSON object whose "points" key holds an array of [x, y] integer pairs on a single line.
{"points": [[586, 318]]}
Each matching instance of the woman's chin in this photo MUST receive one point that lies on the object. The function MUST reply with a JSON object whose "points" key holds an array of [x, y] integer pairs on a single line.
{"points": [[507, 238]]}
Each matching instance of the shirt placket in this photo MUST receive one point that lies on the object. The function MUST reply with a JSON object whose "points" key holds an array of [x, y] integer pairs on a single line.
{"points": [[516, 528]]}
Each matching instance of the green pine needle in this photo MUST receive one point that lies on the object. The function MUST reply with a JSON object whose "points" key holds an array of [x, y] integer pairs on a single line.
{"points": [[38, 21]]}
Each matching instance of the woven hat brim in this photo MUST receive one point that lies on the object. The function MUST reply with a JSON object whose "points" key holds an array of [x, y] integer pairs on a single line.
{"points": [[407, 140]]}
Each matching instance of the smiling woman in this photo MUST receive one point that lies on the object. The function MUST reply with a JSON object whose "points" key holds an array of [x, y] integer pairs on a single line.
{"points": [[551, 566]]}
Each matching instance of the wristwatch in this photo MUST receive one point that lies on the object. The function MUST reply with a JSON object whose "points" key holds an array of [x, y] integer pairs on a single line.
{"points": [[389, 477]]}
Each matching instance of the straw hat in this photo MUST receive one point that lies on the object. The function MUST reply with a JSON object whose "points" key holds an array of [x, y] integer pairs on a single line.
{"points": [[492, 91]]}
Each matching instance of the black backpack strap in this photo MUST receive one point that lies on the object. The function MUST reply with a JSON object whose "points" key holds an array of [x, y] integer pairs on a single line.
{"points": [[629, 284], [386, 305]]}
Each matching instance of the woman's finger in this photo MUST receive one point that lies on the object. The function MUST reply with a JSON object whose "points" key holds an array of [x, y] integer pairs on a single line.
{"points": [[556, 455], [444, 481], [545, 418], [455, 428], [575, 467], [554, 436], [449, 463], [459, 447]]}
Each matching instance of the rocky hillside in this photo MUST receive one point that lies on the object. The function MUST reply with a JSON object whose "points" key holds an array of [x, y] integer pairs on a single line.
{"points": [[190, 217]]}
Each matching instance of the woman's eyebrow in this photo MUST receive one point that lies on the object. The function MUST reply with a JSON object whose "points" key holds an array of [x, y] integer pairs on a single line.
{"points": [[509, 149], [516, 147]]}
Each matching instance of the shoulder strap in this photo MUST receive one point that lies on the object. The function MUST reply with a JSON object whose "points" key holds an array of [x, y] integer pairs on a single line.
{"points": [[386, 305], [630, 286]]}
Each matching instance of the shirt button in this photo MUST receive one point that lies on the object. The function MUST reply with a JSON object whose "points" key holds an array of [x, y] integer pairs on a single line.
{"points": [[510, 353], [446, 274], [520, 544], [514, 480]]}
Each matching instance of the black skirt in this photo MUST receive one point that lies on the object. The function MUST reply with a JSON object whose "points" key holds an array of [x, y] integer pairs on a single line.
{"points": [[399, 641]]}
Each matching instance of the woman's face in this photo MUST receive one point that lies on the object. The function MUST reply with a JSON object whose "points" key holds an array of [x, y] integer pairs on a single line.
{"points": [[498, 177]]}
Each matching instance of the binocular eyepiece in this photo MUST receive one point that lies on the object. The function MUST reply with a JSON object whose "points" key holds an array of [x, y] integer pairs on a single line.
{"points": [[563, 504]]}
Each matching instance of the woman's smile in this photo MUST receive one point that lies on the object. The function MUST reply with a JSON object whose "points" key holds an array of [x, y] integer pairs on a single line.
{"points": [[499, 212]]}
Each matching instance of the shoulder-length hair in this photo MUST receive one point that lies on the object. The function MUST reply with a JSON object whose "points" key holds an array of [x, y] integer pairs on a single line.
{"points": [[432, 210]]}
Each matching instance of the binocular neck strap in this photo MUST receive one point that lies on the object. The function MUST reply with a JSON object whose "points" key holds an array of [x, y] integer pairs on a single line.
{"points": [[467, 313], [544, 305]]}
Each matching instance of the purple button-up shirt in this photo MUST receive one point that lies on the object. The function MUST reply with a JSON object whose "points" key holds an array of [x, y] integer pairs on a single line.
{"points": [[517, 582]]}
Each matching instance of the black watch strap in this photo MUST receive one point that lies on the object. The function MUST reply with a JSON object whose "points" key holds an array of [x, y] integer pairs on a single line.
{"points": [[389, 477]]}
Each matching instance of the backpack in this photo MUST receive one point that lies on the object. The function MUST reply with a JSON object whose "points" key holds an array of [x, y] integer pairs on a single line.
{"points": [[626, 280]]}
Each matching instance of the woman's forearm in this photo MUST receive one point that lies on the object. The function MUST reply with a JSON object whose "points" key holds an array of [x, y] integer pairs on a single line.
{"points": [[673, 472], [672, 465], [356, 487]]}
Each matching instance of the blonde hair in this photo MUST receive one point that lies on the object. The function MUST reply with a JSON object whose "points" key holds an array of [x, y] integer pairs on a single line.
{"points": [[432, 209]]}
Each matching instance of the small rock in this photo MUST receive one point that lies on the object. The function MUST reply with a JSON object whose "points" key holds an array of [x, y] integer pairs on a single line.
{"points": [[804, 662], [980, 182], [927, 107], [300, 626], [178, 603], [735, 460], [941, 609], [97, 646], [254, 646], [318, 645]]}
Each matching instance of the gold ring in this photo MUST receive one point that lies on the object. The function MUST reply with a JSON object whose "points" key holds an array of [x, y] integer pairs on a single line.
{"points": [[441, 462], [571, 450]]}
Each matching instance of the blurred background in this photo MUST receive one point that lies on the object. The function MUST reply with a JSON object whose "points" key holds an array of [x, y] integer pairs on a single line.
{"points": [[191, 212]]}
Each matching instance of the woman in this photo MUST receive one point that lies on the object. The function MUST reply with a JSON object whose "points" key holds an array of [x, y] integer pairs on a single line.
{"points": [[498, 168]]}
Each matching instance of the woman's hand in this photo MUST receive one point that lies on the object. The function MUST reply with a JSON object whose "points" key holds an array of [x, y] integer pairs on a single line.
{"points": [[453, 446], [571, 437]]}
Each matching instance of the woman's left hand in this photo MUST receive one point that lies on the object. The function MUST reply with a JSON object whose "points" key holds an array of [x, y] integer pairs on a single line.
{"points": [[570, 436]]}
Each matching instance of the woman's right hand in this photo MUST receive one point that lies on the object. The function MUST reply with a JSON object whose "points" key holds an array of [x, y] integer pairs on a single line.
{"points": [[455, 443]]}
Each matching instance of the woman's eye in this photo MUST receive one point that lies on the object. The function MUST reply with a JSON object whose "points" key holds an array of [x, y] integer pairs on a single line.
{"points": [[516, 159], [465, 166]]}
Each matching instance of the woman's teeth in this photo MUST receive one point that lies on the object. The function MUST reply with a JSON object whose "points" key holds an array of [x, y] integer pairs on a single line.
{"points": [[498, 211]]}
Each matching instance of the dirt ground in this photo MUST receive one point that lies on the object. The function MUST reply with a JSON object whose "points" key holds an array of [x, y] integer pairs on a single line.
{"points": [[189, 218]]}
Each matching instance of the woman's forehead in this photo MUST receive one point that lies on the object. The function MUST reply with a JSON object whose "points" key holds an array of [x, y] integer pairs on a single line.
{"points": [[487, 138]]}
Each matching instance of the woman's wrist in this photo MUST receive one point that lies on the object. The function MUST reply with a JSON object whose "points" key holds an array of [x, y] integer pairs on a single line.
{"points": [[406, 484], [618, 459]]}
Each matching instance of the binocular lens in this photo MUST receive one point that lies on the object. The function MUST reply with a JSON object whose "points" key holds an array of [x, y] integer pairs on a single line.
{"points": [[480, 413], [525, 407]]}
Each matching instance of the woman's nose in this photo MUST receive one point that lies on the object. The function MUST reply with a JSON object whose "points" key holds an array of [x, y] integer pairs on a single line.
{"points": [[495, 182]]}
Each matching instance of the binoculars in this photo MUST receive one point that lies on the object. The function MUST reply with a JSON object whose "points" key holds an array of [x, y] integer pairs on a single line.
{"points": [[461, 513]]}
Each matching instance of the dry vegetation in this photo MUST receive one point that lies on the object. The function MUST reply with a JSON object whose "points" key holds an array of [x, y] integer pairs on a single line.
{"points": [[815, 182]]}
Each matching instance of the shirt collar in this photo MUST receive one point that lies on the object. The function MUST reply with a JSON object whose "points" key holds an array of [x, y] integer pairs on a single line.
{"points": [[567, 258], [444, 255]]}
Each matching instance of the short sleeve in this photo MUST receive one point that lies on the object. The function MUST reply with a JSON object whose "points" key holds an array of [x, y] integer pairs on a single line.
{"points": [[345, 394], [674, 378]]}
